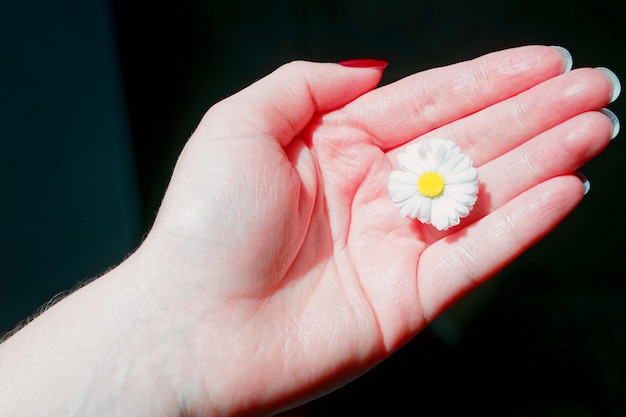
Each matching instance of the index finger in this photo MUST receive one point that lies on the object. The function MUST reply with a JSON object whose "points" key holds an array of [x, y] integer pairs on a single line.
{"points": [[408, 108]]}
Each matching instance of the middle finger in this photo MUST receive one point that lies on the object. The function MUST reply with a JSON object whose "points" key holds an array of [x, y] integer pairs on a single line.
{"points": [[493, 131]]}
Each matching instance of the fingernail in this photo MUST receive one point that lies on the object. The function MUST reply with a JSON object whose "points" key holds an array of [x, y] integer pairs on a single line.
{"points": [[364, 63], [617, 86], [567, 57], [614, 120], [585, 181]]}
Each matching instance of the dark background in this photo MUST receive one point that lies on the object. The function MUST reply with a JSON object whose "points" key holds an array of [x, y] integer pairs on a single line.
{"points": [[97, 98]]}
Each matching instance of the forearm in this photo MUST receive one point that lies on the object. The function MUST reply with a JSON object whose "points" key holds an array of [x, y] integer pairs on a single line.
{"points": [[94, 353]]}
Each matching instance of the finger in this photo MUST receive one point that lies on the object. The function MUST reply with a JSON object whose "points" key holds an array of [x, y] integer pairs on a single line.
{"points": [[408, 108], [493, 131], [460, 262], [282, 103], [558, 151]]}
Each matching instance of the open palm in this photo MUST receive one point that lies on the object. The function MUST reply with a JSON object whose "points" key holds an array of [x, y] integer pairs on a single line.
{"points": [[279, 251]]}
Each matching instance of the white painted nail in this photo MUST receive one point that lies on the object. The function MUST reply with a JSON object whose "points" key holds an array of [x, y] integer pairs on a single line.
{"points": [[585, 181], [568, 62], [614, 120], [617, 86]]}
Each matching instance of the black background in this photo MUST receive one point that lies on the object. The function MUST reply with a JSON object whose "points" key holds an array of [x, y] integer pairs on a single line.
{"points": [[98, 98]]}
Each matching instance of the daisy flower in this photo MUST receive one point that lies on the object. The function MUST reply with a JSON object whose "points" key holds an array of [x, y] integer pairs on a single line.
{"points": [[437, 185]]}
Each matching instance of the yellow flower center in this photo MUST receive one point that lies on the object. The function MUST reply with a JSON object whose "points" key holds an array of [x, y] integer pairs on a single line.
{"points": [[430, 184]]}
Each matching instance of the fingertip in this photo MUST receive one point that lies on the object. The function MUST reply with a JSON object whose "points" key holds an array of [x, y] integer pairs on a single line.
{"points": [[284, 101], [614, 121], [585, 182], [616, 86], [568, 61]]}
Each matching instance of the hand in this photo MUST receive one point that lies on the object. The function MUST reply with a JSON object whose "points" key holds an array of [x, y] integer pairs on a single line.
{"points": [[278, 267], [296, 261]]}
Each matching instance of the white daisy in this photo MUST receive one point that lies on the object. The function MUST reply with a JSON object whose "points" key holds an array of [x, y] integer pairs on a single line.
{"points": [[437, 185]]}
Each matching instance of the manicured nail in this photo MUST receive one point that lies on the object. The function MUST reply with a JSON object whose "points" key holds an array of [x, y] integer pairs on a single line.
{"points": [[365, 63], [614, 120], [585, 181], [567, 57], [617, 86]]}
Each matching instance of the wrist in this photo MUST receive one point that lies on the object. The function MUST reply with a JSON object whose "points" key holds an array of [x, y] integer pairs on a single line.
{"points": [[97, 352]]}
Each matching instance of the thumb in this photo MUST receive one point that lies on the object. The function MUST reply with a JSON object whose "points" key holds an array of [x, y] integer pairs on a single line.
{"points": [[282, 103]]}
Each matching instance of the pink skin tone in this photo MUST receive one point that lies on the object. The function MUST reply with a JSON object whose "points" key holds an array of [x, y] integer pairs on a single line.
{"points": [[278, 267]]}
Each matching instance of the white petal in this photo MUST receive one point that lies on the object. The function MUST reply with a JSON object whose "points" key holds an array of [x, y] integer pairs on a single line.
{"points": [[461, 209], [462, 204], [402, 178], [442, 214], [411, 206], [460, 177], [409, 163], [402, 186], [451, 165], [457, 176], [401, 199], [405, 210], [462, 192], [422, 210]]}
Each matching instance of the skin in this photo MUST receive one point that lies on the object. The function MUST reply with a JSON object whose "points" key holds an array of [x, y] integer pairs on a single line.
{"points": [[278, 268]]}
